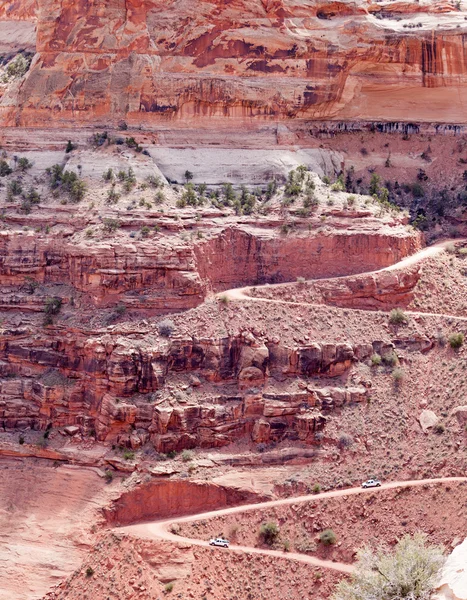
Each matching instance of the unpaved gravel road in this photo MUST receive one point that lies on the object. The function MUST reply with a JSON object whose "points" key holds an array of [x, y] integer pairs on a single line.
{"points": [[160, 529]]}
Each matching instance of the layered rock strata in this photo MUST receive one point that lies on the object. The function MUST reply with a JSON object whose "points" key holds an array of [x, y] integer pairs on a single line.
{"points": [[155, 63]]}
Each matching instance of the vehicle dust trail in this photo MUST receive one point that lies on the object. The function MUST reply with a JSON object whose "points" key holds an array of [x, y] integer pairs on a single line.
{"points": [[160, 529]]}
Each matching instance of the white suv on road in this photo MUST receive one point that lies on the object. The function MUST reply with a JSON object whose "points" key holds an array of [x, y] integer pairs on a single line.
{"points": [[371, 483], [219, 542]]}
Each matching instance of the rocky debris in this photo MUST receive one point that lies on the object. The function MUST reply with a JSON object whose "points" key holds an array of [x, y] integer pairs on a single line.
{"points": [[427, 420], [460, 412], [71, 430]]}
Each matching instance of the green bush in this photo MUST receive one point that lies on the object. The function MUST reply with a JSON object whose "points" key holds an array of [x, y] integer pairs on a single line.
{"points": [[390, 359], [111, 225], [316, 489], [24, 164], [269, 532], [89, 572], [456, 340], [187, 455], [375, 360], [52, 308], [128, 454], [5, 168], [410, 571], [169, 587], [397, 317], [166, 327], [328, 537]]}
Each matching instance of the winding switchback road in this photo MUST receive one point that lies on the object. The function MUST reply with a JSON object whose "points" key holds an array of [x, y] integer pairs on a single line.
{"points": [[160, 529]]}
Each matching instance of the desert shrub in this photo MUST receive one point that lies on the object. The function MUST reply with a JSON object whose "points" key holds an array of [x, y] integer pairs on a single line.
{"points": [[128, 454], [456, 340], [159, 198], [397, 317], [18, 67], [374, 184], [66, 181], [108, 175], [89, 572], [310, 201], [5, 168], [24, 164], [33, 196], [21, 440], [166, 327], [441, 338], [398, 375], [169, 587], [316, 488], [111, 225], [338, 185], [328, 537], [187, 455], [409, 571], [271, 189], [14, 188], [188, 175], [417, 190], [120, 309], [112, 195], [52, 308], [301, 280], [439, 428], [69, 147], [269, 532], [188, 197], [375, 360], [345, 441], [390, 359], [145, 231], [108, 475]]}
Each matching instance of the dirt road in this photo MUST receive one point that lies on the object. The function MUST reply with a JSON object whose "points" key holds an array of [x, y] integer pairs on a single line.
{"points": [[161, 529]]}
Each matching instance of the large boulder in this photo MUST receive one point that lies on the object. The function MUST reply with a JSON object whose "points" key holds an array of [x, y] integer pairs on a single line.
{"points": [[427, 420], [453, 582]]}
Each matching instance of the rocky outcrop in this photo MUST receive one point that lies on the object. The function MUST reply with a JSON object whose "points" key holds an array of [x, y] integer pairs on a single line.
{"points": [[149, 62], [19, 10], [161, 499], [169, 274], [453, 582], [248, 257], [381, 290], [124, 392]]}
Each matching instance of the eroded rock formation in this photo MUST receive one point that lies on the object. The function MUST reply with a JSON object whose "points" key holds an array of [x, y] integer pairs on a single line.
{"points": [[152, 62]]}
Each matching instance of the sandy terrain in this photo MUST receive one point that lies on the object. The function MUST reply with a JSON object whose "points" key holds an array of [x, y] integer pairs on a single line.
{"points": [[46, 513]]}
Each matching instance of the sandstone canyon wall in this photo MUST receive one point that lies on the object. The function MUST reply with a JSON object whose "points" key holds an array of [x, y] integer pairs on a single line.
{"points": [[154, 63]]}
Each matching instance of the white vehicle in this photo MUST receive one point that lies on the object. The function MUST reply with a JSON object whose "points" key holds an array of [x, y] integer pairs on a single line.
{"points": [[371, 483], [219, 542]]}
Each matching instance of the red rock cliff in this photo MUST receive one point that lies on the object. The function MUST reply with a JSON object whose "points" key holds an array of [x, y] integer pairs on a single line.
{"points": [[148, 61]]}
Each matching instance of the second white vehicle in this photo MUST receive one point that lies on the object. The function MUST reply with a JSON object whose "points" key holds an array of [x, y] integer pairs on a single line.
{"points": [[219, 542], [369, 483]]}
